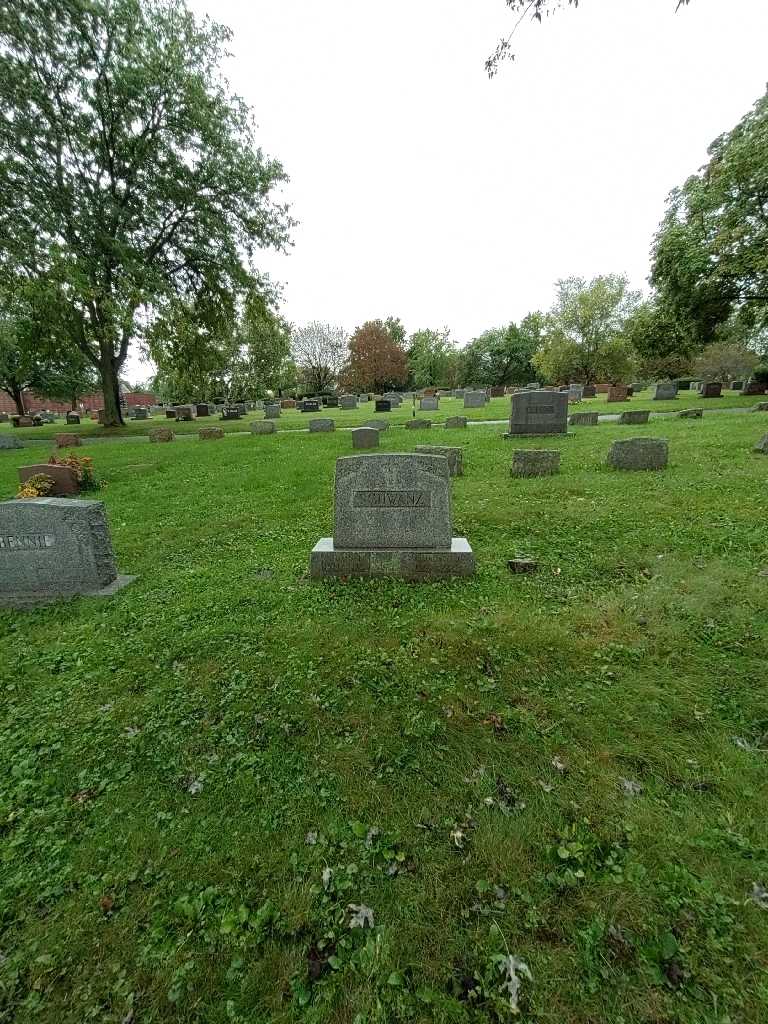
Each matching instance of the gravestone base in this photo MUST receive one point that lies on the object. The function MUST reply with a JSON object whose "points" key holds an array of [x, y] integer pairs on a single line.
{"points": [[327, 561], [21, 601]]}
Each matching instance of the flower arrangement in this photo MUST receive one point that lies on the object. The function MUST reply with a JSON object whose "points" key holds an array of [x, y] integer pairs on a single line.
{"points": [[38, 486], [83, 467]]}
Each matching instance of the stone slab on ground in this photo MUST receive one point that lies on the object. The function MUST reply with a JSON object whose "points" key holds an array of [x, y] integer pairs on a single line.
{"points": [[529, 462], [263, 427], [635, 418], [639, 453], [454, 455], [583, 419]]}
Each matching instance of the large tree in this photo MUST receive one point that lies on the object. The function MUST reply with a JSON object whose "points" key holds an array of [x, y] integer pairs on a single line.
{"points": [[663, 350], [319, 351], [503, 355], [584, 333], [377, 360], [432, 358], [128, 171], [710, 258], [536, 10]]}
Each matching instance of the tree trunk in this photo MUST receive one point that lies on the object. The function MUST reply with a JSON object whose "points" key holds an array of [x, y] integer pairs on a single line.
{"points": [[110, 387], [17, 394]]}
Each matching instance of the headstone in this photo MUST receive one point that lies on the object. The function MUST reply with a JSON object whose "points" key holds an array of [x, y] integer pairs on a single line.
{"points": [[263, 427], [23, 421], [583, 419], [637, 387], [377, 424], [395, 400], [753, 387], [634, 418], [474, 399], [683, 385], [160, 435], [64, 478], [231, 412], [321, 426], [760, 407], [365, 437], [533, 386], [184, 414], [203, 409], [383, 405], [762, 445], [210, 433], [458, 393], [46, 417], [272, 412], [170, 414], [690, 414], [348, 402], [456, 422], [392, 519], [4, 417], [590, 391], [639, 453], [287, 403], [575, 393], [55, 547], [7, 442], [737, 385], [68, 441], [455, 456], [498, 391], [665, 391], [418, 424], [310, 405], [430, 404], [711, 389], [618, 393], [259, 406], [242, 408], [140, 413], [331, 402], [538, 412], [528, 462]]}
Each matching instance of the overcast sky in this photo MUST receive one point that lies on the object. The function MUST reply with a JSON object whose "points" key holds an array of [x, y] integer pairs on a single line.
{"points": [[424, 190]]}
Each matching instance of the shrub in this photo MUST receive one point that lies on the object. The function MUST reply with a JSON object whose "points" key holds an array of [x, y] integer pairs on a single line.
{"points": [[83, 467], [37, 486]]}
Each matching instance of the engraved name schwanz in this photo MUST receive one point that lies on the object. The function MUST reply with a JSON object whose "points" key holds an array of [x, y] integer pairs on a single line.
{"points": [[391, 499], [541, 410], [31, 542]]}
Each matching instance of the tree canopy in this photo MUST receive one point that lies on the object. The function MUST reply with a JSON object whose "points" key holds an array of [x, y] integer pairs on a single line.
{"points": [[319, 351], [128, 173], [377, 359], [503, 355]]}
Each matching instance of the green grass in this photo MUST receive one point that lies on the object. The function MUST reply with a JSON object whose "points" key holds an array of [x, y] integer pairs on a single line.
{"points": [[168, 751], [291, 419]]}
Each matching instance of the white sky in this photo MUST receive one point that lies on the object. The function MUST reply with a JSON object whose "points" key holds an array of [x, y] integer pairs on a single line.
{"points": [[424, 190]]}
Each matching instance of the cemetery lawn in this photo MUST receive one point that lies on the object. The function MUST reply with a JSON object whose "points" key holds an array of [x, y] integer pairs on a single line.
{"points": [[292, 419], [208, 778]]}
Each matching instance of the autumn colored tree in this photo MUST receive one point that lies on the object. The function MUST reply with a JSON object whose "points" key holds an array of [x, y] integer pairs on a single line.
{"points": [[377, 361]]}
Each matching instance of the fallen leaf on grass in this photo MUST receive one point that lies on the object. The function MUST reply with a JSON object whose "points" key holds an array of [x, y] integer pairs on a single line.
{"points": [[546, 786], [106, 903], [514, 970], [559, 765], [759, 895], [360, 916], [630, 788], [310, 839]]}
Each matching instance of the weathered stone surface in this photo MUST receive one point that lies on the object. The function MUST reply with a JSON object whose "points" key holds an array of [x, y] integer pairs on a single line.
{"points": [[474, 399], [711, 389], [52, 548], [538, 412], [535, 462], [590, 391], [64, 478], [309, 405], [393, 398], [321, 426], [429, 404], [533, 385], [417, 424], [287, 403], [365, 437], [184, 413], [263, 427], [665, 391], [203, 409], [619, 393], [377, 424], [519, 566], [639, 453], [383, 405], [753, 387], [68, 441], [690, 414], [7, 442], [161, 435], [72, 419], [634, 418], [456, 423], [392, 518], [331, 402], [348, 402], [23, 421], [272, 412], [231, 412], [170, 414], [583, 419], [762, 445], [760, 407], [210, 434], [454, 455], [497, 391]]}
